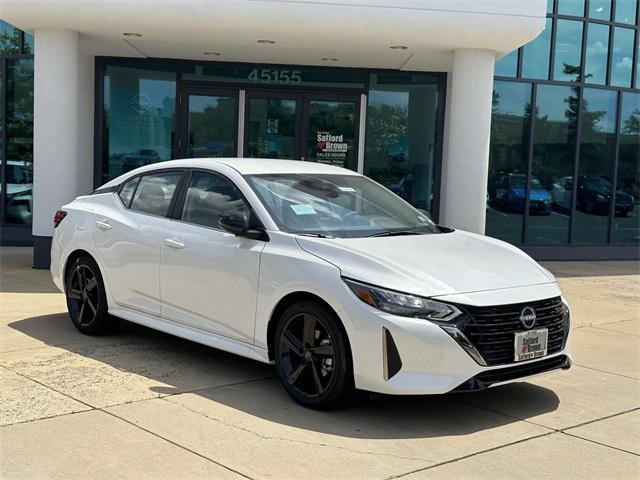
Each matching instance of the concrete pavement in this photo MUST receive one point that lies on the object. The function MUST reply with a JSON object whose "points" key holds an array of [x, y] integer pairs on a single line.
{"points": [[142, 404]]}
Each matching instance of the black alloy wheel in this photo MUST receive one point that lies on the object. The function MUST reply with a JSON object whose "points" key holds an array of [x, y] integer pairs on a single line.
{"points": [[86, 298], [312, 356]]}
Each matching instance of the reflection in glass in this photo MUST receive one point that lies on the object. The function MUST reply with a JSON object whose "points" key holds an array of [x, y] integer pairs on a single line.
{"points": [[19, 148], [549, 6], [626, 224], [626, 11], [554, 137], [272, 128], [597, 48], [567, 51], [139, 118], [507, 65], [597, 142], [571, 7], [332, 133], [535, 54], [510, 120], [600, 9], [401, 135], [28, 46], [622, 57], [9, 38], [212, 126]]}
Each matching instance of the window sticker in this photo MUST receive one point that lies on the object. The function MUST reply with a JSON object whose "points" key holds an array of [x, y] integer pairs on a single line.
{"points": [[347, 189], [303, 209]]}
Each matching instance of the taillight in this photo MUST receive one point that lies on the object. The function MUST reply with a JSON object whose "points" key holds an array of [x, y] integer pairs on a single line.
{"points": [[58, 217]]}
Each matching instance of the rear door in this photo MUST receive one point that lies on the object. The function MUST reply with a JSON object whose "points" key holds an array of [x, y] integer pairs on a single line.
{"points": [[129, 236], [209, 277]]}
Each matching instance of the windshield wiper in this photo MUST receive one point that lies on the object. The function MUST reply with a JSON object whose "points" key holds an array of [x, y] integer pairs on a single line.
{"points": [[394, 233], [316, 235]]}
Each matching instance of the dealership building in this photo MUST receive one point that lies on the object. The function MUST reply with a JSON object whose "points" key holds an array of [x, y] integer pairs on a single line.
{"points": [[519, 119]]}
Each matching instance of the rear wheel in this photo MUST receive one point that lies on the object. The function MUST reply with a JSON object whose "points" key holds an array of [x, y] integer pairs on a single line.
{"points": [[86, 298], [312, 356]]}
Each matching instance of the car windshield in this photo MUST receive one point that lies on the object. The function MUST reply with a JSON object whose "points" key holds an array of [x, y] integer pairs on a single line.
{"points": [[345, 206]]}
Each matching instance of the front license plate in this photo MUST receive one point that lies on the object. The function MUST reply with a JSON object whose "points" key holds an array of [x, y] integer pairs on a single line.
{"points": [[531, 344]]}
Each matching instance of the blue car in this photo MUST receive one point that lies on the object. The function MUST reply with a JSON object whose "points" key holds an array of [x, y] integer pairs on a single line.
{"points": [[507, 193]]}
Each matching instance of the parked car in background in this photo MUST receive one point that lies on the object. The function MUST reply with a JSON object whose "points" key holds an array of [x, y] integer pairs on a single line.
{"points": [[507, 193], [593, 196], [19, 197], [320, 270]]}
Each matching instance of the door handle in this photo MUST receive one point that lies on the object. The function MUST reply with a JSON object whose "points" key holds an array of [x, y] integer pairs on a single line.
{"points": [[173, 243], [104, 225]]}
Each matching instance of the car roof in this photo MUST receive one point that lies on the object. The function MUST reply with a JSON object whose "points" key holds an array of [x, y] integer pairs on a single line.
{"points": [[244, 166]]}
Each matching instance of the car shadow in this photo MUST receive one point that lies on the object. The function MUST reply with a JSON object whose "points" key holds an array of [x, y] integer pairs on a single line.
{"points": [[251, 387]]}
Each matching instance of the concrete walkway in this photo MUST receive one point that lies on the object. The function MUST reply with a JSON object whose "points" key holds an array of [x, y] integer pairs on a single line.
{"points": [[141, 404]]}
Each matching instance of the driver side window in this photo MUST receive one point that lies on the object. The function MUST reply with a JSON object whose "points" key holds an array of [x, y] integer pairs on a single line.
{"points": [[207, 197]]}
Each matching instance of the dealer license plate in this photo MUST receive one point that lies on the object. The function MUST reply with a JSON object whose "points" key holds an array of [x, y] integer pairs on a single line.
{"points": [[531, 344]]}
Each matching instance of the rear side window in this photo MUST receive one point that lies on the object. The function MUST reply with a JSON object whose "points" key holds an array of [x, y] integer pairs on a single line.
{"points": [[208, 196], [126, 192], [154, 193]]}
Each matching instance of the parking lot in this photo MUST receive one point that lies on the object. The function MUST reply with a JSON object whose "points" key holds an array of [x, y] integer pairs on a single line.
{"points": [[141, 404]]}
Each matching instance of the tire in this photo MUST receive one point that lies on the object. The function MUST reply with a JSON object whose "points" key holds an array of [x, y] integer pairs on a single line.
{"points": [[312, 356], [87, 299]]}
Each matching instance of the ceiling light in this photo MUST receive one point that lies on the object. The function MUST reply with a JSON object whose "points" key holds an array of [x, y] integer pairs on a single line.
{"points": [[398, 47], [215, 54], [132, 34], [329, 59], [267, 42]]}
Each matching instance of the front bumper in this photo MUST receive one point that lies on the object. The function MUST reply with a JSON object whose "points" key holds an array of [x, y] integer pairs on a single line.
{"points": [[429, 360]]}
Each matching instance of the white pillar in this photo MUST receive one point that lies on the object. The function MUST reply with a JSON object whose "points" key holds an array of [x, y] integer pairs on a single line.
{"points": [[466, 161], [61, 117]]}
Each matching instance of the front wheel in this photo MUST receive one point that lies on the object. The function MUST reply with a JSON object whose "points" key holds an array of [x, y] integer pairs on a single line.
{"points": [[87, 299], [312, 356]]}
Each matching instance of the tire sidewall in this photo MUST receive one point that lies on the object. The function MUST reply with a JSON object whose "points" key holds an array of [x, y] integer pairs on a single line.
{"points": [[102, 321]]}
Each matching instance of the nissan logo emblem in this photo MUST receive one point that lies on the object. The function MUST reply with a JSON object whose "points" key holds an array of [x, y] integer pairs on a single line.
{"points": [[528, 317]]}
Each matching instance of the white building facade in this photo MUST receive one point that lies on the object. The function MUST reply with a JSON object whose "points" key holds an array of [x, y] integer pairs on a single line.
{"points": [[400, 90]]}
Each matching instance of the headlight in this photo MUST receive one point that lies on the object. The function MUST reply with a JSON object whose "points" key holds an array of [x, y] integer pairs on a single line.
{"points": [[403, 304]]}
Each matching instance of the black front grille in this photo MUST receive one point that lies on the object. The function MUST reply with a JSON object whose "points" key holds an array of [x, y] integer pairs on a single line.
{"points": [[491, 329]]}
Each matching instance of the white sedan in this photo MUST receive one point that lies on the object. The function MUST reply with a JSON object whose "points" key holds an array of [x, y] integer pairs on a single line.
{"points": [[335, 279]]}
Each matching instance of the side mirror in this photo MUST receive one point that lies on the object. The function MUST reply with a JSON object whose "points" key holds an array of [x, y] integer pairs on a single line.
{"points": [[425, 213], [238, 223]]}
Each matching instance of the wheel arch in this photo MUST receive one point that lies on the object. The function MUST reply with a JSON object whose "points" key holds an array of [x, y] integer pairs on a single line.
{"points": [[290, 299], [72, 258]]}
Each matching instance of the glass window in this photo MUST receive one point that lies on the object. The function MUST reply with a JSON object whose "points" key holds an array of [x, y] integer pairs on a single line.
{"points": [[571, 7], [622, 57], [507, 66], [212, 126], [139, 119], [554, 138], [28, 46], [154, 193], [402, 131], [19, 148], [626, 224], [208, 197], [510, 130], [568, 48], [9, 38], [126, 192], [595, 70], [597, 142], [535, 54], [600, 9], [549, 6], [331, 136], [626, 11], [336, 205], [272, 128]]}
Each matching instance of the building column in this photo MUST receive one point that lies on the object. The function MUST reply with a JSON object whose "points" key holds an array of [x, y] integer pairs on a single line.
{"points": [[466, 160], [60, 115]]}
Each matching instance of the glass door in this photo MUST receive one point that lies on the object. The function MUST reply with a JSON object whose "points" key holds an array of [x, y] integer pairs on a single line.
{"points": [[316, 127], [210, 124], [331, 124], [272, 128]]}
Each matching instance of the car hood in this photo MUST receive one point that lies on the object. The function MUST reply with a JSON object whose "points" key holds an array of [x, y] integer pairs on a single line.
{"points": [[430, 265]]}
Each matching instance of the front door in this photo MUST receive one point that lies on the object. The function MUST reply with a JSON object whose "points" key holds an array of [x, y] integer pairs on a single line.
{"points": [[316, 127]]}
